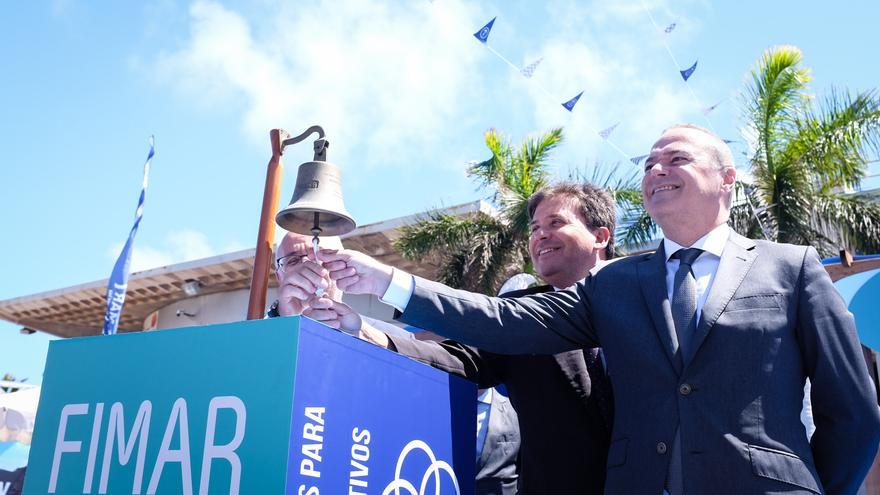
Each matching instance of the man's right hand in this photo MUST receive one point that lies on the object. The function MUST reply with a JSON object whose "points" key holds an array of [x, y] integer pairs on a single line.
{"points": [[337, 314], [355, 272], [298, 284]]}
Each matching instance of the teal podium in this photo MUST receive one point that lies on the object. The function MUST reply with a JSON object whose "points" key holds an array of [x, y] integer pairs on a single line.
{"points": [[278, 406]]}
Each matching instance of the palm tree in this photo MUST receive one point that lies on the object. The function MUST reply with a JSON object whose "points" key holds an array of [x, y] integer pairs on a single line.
{"points": [[805, 157], [478, 252]]}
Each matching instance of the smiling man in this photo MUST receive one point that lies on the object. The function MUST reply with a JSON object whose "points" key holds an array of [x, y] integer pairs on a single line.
{"points": [[563, 401], [709, 341]]}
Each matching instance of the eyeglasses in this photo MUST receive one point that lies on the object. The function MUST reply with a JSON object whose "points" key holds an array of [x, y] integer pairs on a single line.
{"points": [[289, 261]]}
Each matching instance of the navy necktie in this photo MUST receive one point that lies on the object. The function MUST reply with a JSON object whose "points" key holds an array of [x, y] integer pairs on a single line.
{"points": [[684, 298]]}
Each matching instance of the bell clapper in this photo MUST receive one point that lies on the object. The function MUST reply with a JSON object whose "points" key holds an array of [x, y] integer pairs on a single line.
{"points": [[315, 241]]}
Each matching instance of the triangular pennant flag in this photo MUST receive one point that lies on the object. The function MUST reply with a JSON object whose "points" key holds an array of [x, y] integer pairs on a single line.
{"points": [[483, 34], [687, 72], [728, 141], [607, 132], [528, 70], [569, 105], [669, 28], [638, 159], [707, 110]]}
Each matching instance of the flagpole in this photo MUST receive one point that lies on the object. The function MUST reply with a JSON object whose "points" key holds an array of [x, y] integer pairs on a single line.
{"points": [[266, 233]]}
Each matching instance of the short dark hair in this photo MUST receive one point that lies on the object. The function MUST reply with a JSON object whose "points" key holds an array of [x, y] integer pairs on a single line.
{"points": [[596, 205]]}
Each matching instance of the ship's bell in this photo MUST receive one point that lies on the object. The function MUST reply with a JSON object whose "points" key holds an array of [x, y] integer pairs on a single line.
{"points": [[317, 202]]}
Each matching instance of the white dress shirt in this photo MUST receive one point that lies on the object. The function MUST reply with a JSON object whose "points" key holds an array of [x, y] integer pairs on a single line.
{"points": [[704, 267]]}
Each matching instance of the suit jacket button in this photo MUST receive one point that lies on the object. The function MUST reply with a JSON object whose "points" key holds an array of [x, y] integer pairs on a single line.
{"points": [[685, 389], [661, 447]]}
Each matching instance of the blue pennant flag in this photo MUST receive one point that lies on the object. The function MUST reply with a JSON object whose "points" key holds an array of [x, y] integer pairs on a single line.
{"points": [[483, 34], [529, 70], [687, 72], [569, 105], [728, 141], [607, 132], [118, 282], [638, 159], [669, 28]]}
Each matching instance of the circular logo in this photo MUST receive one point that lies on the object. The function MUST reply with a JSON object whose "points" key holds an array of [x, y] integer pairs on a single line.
{"points": [[433, 471]]}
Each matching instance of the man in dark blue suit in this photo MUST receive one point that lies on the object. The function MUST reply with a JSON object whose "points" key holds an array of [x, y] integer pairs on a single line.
{"points": [[709, 341]]}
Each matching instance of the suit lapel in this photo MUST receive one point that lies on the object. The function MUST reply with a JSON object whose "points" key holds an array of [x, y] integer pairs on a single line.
{"points": [[736, 260], [652, 279]]}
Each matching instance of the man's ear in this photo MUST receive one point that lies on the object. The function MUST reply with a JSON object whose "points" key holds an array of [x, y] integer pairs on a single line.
{"points": [[602, 236], [728, 178]]}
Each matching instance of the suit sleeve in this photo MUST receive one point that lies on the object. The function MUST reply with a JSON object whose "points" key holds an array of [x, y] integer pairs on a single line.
{"points": [[546, 323], [482, 368], [843, 397]]}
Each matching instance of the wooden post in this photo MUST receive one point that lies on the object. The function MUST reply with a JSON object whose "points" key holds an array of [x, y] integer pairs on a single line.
{"points": [[266, 233]]}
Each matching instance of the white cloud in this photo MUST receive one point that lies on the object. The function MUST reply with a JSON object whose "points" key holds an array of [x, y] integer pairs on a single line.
{"points": [[394, 82], [177, 247], [375, 75]]}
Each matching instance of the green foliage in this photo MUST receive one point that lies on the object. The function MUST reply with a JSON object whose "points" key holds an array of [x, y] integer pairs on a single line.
{"points": [[479, 252], [807, 153]]}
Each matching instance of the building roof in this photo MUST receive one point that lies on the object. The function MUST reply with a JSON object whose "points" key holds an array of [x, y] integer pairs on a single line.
{"points": [[79, 310]]}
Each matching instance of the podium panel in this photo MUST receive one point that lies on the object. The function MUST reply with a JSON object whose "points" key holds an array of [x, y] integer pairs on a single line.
{"points": [[284, 405]]}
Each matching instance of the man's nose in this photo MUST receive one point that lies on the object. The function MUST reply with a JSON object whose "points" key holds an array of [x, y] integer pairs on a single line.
{"points": [[656, 169]]}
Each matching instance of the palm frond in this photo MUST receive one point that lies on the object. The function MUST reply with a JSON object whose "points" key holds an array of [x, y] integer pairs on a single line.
{"points": [[491, 173], [849, 222], [773, 100], [832, 140]]}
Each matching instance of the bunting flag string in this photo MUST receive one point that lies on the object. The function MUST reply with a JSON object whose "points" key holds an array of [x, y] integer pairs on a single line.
{"points": [[636, 160], [529, 70], [604, 133], [483, 37], [483, 34], [569, 105], [118, 283], [709, 109], [669, 28], [687, 73]]}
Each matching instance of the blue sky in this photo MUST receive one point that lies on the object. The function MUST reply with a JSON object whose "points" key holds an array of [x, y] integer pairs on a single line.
{"points": [[403, 90]]}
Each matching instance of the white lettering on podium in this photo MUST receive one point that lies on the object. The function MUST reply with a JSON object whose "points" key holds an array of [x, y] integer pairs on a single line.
{"points": [[62, 445], [213, 451], [360, 454], [116, 430], [179, 417], [93, 447], [177, 423], [4, 487], [313, 431]]}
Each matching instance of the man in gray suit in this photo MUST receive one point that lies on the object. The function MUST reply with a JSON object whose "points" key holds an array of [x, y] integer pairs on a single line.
{"points": [[710, 340]]}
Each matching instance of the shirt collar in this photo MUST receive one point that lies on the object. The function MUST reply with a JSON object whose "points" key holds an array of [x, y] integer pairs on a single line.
{"points": [[713, 242]]}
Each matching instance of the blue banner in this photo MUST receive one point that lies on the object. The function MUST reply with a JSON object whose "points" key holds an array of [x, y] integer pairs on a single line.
{"points": [[483, 34], [118, 282], [686, 74], [569, 105]]}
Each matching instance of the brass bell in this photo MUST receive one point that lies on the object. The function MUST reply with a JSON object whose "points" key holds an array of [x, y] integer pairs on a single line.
{"points": [[316, 207]]}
